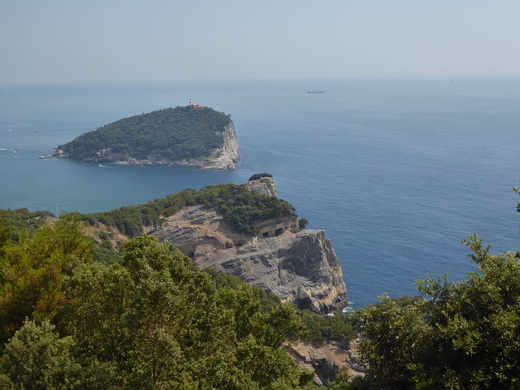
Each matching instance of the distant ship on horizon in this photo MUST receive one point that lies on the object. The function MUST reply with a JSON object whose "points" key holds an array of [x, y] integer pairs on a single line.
{"points": [[315, 91]]}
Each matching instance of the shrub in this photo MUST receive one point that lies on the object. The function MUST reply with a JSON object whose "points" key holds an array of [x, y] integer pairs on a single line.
{"points": [[257, 176], [302, 223]]}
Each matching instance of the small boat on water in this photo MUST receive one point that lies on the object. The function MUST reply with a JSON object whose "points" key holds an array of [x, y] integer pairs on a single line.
{"points": [[315, 91], [2, 150]]}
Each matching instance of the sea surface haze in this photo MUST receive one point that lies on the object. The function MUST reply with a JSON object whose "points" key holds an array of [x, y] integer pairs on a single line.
{"points": [[396, 172]]}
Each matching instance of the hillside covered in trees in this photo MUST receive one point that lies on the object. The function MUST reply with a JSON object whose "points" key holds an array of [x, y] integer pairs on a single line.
{"points": [[164, 136], [240, 207], [151, 320]]}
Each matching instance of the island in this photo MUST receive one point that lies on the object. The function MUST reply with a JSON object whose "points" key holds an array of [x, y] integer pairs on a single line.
{"points": [[192, 135], [225, 271]]}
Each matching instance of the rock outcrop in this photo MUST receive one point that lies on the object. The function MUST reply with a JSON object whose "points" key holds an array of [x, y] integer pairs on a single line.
{"points": [[327, 360], [298, 266], [225, 158], [264, 185]]}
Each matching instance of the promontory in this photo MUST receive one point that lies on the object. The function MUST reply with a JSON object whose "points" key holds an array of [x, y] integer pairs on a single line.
{"points": [[242, 230], [192, 135]]}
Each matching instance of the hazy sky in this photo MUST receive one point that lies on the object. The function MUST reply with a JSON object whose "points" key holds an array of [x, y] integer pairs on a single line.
{"points": [[122, 40]]}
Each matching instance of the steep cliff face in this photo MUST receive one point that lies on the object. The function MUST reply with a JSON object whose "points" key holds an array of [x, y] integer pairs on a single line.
{"points": [[225, 158], [298, 266]]}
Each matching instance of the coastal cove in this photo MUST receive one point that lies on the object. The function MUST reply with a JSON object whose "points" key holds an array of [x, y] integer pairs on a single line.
{"points": [[395, 171]]}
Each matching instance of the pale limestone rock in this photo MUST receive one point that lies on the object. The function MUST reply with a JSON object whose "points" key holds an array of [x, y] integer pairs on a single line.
{"points": [[298, 266], [225, 158], [264, 185]]}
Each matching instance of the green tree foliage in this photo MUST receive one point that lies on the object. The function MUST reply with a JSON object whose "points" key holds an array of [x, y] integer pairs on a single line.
{"points": [[222, 280], [151, 321], [257, 176], [170, 134], [320, 329], [20, 220], [166, 325], [34, 271], [241, 208], [302, 223], [6, 235], [37, 358], [104, 252], [462, 335]]}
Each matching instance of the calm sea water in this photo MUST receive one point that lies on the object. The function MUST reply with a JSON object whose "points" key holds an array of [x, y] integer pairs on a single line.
{"points": [[396, 171]]}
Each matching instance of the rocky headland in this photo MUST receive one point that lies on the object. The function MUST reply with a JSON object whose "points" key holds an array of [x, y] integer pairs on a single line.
{"points": [[273, 251], [298, 265]]}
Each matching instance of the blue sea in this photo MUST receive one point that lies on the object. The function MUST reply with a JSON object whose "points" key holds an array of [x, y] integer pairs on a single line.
{"points": [[396, 171]]}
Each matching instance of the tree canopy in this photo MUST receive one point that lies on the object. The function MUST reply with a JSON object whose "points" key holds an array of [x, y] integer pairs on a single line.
{"points": [[152, 320], [239, 206], [257, 176], [166, 135]]}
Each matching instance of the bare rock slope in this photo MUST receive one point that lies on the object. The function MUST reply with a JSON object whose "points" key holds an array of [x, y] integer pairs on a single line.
{"points": [[300, 266], [226, 157], [327, 360]]}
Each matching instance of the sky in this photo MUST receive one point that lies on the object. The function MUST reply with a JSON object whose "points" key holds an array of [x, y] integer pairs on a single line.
{"points": [[163, 40]]}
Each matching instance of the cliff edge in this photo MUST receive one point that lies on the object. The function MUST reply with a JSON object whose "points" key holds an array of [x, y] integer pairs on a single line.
{"points": [[299, 266], [224, 158]]}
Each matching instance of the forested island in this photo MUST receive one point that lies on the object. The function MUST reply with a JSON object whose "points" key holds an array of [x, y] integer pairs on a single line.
{"points": [[192, 135]]}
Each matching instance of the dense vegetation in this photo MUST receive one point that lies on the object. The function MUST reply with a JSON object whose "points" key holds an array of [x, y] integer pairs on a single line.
{"points": [[150, 321], [462, 335], [241, 208], [22, 219], [257, 176], [169, 134], [316, 329]]}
